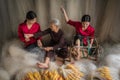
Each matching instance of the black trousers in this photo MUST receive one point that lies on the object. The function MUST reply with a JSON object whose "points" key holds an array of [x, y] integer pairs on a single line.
{"points": [[62, 53], [29, 47], [78, 36]]}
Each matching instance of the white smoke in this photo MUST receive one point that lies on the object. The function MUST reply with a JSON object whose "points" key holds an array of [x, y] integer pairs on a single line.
{"points": [[111, 56], [111, 59], [15, 58], [4, 75], [16, 61], [21, 73], [86, 66]]}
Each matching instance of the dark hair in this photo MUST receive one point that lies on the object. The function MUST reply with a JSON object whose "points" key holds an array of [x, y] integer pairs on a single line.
{"points": [[86, 18], [31, 15]]}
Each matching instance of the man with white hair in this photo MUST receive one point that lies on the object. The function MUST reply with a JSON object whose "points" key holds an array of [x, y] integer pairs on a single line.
{"points": [[57, 40]]}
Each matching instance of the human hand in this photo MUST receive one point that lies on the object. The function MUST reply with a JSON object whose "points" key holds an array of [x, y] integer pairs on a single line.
{"points": [[62, 9], [28, 35], [27, 39], [39, 43], [65, 14], [48, 48]]}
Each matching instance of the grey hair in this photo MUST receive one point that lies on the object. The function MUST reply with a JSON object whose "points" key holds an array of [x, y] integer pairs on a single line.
{"points": [[55, 21]]}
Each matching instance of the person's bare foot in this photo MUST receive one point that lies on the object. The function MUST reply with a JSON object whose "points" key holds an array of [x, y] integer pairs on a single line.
{"points": [[72, 62], [92, 58], [77, 58], [42, 65]]}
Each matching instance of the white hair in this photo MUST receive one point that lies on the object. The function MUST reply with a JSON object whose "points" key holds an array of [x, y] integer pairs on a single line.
{"points": [[55, 21]]}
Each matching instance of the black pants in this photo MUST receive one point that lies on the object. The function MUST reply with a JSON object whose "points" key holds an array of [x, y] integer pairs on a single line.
{"points": [[29, 47], [78, 36], [62, 53]]}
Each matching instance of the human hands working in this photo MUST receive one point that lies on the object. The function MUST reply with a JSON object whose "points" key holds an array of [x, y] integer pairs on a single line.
{"points": [[48, 48], [39, 43], [28, 35]]}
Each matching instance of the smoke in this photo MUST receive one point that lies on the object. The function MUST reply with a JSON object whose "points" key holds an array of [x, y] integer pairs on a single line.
{"points": [[15, 58], [16, 61], [4, 75], [21, 73], [86, 66], [111, 58]]}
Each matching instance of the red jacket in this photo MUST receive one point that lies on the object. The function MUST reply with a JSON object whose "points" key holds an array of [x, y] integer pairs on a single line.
{"points": [[23, 29], [88, 32]]}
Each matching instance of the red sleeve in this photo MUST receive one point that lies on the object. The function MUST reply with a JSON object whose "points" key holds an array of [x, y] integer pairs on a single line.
{"points": [[21, 34], [73, 23], [39, 30]]}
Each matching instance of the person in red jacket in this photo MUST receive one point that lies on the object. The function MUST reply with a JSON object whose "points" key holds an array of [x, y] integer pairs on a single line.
{"points": [[29, 26], [83, 29]]}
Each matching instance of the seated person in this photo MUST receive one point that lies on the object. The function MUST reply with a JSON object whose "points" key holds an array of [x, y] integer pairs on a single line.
{"points": [[29, 26], [57, 40], [83, 30]]}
